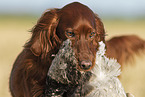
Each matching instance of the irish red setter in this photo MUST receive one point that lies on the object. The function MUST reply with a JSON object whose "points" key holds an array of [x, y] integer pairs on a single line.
{"points": [[75, 22]]}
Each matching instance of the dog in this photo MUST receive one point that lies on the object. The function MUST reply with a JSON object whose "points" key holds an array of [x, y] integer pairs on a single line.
{"points": [[84, 28]]}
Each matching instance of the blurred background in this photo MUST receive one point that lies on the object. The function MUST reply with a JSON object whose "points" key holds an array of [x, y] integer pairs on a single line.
{"points": [[120, 17]]}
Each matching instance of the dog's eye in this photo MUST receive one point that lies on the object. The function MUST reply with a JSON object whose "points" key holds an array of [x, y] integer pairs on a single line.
{"points": [[92, 34], [70, 34]]}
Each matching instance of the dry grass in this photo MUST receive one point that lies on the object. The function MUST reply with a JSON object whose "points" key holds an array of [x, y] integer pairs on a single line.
{"points": [[14, 33], [133, 74]]}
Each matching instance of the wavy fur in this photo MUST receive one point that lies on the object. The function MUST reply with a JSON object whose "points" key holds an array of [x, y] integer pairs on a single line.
{"points": [[28, 75]]}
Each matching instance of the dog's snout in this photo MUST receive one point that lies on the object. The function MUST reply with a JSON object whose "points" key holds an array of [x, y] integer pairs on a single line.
{"points": [[85, 64]]}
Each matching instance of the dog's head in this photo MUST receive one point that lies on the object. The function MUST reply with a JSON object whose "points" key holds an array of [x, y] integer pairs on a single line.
{"points": [[74, 21]]}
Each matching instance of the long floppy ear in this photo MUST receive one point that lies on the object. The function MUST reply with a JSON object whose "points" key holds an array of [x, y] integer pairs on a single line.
{"points": [[44, 36], [123, 48], [100, 29]]}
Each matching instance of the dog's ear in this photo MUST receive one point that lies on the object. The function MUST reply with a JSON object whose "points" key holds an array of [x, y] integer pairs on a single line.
{"points": [[44, 36], [36, 48], [99, 29]]}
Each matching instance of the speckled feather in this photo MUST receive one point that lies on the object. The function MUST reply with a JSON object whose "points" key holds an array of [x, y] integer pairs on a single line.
{"points": [[63, 75], [101, 81]]}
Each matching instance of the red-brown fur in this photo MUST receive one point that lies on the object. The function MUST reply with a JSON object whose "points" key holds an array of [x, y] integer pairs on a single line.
{"points": [[123, 48], [29, 71]]}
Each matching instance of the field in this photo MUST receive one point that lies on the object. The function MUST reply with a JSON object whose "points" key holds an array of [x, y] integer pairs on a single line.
{"points": [[14, 32]]}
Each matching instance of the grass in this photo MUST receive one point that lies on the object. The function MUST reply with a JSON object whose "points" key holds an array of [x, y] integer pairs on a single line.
{"points": [[133, 74], [14, 32]]}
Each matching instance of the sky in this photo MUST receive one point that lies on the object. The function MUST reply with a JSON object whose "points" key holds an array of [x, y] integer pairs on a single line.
{"points": [[125, 8]]}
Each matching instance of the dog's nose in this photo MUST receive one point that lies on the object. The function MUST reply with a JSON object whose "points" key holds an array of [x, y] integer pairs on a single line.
{"points": [[85, 64]]}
